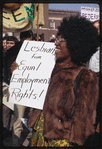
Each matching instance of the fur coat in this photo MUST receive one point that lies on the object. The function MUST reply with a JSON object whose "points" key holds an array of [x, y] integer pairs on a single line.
{"points": [[70, 107]]}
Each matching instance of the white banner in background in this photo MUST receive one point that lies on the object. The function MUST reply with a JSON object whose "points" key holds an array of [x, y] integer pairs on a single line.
{"points": [[90, 13], [29, 82]]}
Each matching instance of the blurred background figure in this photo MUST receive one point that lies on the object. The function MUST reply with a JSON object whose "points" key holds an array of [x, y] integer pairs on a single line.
{"points": [[10, 63], [94, 65], [12, 53], [13, 47], [94, 61], [8, 42], [4, 48], [41, 37], [4, 44]]}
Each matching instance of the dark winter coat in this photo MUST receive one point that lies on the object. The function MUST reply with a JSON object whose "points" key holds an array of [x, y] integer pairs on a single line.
{"points": [[70, 107], [10, 57]]}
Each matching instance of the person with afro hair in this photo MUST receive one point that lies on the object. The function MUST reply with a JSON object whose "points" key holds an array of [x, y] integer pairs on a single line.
{"points": [[81, 37], [69, 111]]}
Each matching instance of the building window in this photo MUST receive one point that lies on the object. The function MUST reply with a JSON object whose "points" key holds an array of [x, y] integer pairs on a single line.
{"points": [[52, 24]]}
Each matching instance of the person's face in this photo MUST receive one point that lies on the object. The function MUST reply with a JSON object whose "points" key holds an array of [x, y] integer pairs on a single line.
{"points": [[61, 48], [96, 24], [4, 45], [10, 44]]}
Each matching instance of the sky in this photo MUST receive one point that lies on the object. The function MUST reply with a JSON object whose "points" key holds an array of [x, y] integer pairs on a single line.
{"points": [[73, 6]]}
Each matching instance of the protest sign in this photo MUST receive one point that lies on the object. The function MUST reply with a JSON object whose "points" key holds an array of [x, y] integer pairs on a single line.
{"points": [[29, 82], [90, 13]]}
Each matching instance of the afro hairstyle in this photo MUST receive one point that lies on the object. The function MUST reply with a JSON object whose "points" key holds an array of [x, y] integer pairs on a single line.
{"points": [[81, 37]]}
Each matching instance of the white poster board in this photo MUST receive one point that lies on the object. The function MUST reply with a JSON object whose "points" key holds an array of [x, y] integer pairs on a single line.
{"points": [[90, 13], [29, 82]]}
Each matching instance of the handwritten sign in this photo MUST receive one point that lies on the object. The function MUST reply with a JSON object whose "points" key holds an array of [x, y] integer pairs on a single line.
{"points": [[90, 13], [29, 82]]}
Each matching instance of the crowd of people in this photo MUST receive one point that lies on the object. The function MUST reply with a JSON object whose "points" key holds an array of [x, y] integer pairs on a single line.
{"points": [[70, 116]]}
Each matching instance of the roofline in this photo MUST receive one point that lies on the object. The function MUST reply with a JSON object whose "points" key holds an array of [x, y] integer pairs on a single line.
{"points": [[58, 10]]}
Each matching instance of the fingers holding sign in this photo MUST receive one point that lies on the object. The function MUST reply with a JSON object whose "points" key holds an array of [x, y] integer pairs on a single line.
{"points": [[13, 66]]}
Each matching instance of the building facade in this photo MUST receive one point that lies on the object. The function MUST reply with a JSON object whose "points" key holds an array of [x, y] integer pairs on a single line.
{"points": [[52, 19]]}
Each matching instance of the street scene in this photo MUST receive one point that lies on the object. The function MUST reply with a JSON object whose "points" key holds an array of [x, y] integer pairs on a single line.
{"points": [[50, 75]]}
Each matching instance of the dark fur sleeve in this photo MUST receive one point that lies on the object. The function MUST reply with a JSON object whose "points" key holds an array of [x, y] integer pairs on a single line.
{"points": [[85, 113]]}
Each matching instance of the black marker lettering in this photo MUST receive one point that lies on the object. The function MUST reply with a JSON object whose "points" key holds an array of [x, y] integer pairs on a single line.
{"points": [[38, 67], [26, 47]]}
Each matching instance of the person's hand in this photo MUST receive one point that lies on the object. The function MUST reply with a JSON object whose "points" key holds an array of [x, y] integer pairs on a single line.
{"points": [[13, 66]]}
